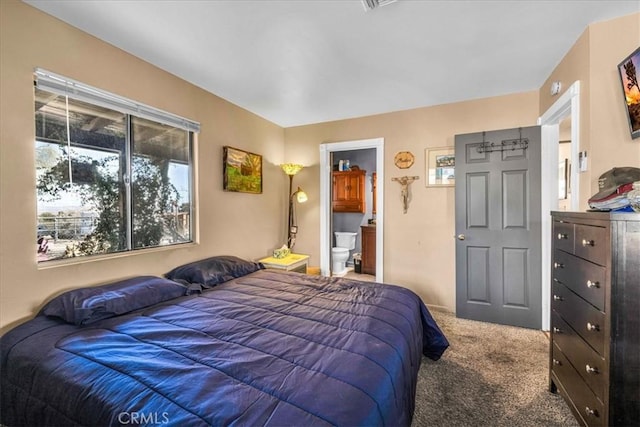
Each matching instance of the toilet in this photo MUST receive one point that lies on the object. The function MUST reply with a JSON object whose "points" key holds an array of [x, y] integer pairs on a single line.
{"points": [[345, 241]]}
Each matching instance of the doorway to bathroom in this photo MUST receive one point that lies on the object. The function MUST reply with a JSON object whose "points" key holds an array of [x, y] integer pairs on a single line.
{"points": [[362, 155]]}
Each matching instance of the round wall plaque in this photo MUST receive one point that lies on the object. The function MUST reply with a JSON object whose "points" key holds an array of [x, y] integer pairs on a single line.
{"points": [[403, 159]]}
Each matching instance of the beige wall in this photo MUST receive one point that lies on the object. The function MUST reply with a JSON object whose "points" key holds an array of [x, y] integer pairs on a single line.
{"points": [[604, 132], [227, 221], [419, 246], [574, 66], [611, 143]]}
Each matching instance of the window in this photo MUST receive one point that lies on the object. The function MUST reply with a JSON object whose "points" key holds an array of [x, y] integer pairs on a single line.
{"points": [[108, 180]]}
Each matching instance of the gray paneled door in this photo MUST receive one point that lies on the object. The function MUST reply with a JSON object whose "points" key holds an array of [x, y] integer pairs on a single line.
{"points": [[498, 242]]}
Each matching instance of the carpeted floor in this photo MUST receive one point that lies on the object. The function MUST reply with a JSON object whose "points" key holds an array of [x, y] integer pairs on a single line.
{"points": [[491, 375]]}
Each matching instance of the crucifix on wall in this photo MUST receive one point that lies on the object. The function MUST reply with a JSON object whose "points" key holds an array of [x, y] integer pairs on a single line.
{"points": [[404, 182]]}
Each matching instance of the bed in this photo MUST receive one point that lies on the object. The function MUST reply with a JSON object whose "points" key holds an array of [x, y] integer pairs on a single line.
{"points": [[219, 342]]}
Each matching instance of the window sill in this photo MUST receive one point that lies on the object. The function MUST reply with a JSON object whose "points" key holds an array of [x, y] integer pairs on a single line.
{"points": [[65, 262]]}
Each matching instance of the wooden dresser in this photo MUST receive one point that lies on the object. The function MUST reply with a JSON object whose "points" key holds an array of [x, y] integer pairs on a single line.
{"points": [[368, 249], [595, 316]]}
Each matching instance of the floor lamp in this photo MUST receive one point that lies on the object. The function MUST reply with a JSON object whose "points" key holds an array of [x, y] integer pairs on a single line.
{"points": [[292, 229]]}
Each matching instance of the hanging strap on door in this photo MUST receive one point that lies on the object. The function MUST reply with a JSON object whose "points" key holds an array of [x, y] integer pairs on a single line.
{"points": [[505, 145]]}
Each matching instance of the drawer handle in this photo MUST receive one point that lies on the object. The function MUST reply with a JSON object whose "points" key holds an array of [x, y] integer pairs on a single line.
{"points": [[557, 330], [557, 362], [562, 236], [557, 298], [558, 265], [591, 369], [592, 327], [591, 412], [593, 284], [586, 242]]}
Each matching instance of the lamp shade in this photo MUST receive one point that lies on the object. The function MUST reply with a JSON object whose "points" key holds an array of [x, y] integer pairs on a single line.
{"points": [[301, 196], [291, 168]]}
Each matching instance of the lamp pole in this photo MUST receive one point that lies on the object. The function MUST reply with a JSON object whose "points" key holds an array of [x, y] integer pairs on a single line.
{"points": [[289, 222], [291, 169]]}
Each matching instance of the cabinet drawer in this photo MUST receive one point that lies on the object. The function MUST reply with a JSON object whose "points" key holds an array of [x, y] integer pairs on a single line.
{"points": [[592, 243], [583, 277], [563, 236], [584, 318], [591, 367], [586, 403], [355, 206]]}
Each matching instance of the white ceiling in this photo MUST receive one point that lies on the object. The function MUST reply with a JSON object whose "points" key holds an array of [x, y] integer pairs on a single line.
{"points": [[297, 62]]}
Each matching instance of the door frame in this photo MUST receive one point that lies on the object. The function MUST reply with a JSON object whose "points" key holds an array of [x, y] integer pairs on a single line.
{"points": [[326, 169], [567, 105]]}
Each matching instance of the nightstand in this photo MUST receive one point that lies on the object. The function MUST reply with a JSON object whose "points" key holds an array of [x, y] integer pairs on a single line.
{"points": [[292, 262]]}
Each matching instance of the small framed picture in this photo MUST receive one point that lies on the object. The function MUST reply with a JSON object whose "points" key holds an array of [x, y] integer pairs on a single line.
{"points": [[563, 188], [242, 171], [629, 70], [441, 166]]}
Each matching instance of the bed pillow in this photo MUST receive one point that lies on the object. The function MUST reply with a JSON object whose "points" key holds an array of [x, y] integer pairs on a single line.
{"points": [[213, 271], [87, 305]]}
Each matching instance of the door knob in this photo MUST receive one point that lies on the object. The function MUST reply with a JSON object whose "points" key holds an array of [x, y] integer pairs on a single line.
{"points": [[461, 237]]}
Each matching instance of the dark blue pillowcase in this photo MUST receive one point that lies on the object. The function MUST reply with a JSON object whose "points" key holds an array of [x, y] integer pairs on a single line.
{"points": [[87, 305], [213, 271]]}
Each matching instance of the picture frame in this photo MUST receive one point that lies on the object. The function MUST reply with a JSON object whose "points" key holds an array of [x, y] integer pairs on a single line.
{"points": [[440, 167], [629, 71], [242, 171], [563, 188]]}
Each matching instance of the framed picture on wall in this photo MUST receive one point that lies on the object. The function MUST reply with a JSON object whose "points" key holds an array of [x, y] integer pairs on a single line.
{"points": [[629, 70], [242, 171], [441, 166], [563, 188]]}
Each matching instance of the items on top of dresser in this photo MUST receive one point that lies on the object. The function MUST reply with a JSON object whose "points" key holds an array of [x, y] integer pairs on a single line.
{"points": [[616, 190]]}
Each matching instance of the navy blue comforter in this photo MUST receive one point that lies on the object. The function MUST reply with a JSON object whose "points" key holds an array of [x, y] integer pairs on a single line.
{"points": [[269, 348]]}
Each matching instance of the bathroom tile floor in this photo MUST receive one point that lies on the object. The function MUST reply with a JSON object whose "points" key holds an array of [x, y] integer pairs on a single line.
{"points": [[364, 277]]}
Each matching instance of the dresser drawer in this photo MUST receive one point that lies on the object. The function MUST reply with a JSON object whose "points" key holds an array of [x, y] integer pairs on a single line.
{"points": [[563, 236], [586, 403], [584, 318], [583, 277], [592, 243], [590, 366]]}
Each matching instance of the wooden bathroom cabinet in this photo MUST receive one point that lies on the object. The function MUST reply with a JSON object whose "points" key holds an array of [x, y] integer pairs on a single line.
{"points": [[348, 191], [368, 249]]}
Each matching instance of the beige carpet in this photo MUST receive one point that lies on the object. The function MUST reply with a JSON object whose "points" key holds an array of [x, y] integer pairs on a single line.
{"points": [[491, 375]]}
